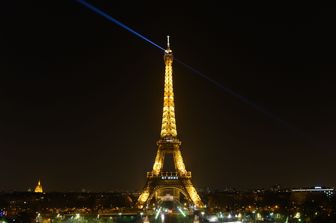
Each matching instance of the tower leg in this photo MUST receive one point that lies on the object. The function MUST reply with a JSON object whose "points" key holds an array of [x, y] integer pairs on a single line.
{"points": [[183, 185], [158, 164], [178, 162], [196, 199]]}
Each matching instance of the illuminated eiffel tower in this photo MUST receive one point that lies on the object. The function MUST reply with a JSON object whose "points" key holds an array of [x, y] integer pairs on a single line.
{"points": [[158, 180]]}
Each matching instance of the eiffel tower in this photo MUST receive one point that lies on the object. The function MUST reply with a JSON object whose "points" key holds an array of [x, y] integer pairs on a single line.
{"points": [[158, 180]]}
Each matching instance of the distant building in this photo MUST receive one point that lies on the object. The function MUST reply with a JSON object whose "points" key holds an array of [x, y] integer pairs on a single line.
{"points": [[38, 188], [328, 191], [302, 196]]}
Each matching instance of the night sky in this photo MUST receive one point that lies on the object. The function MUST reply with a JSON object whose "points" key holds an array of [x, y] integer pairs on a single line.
{"points": [[81, 98]]}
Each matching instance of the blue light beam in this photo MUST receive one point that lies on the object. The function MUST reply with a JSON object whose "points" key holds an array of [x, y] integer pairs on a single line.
{"points": [[240, 97], [110, 18], [216, 83]]}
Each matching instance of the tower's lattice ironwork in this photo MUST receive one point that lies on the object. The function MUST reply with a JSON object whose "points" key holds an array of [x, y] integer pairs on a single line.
{"points": [[169, 144]]}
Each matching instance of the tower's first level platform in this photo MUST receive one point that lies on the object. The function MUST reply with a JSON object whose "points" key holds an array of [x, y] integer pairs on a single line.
{"points": [[170, 175]]}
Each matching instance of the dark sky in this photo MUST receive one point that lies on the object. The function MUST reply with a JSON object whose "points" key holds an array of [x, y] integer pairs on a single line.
{"points": [[81, 98]]}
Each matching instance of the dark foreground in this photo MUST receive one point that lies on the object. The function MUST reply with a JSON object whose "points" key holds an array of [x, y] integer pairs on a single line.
{"points": [[226, 206]]}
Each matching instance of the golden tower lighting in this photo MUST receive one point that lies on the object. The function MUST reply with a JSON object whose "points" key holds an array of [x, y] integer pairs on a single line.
{"points": [[169, 144]]}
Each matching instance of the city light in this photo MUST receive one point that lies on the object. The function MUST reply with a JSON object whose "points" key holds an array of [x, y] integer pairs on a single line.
{"points": [[297, 215], [179, 209], [157, 213], [212, 218]]}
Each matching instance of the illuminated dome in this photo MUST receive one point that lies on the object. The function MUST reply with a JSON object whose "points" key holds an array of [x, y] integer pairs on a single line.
{"points": [[38, 188]]}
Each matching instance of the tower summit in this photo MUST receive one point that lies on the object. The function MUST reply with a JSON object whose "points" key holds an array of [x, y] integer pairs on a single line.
{"points": [[161, 184], [168, 128]]}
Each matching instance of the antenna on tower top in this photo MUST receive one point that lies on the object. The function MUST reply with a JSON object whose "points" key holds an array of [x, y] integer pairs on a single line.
{"points": [[168, 44]]}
